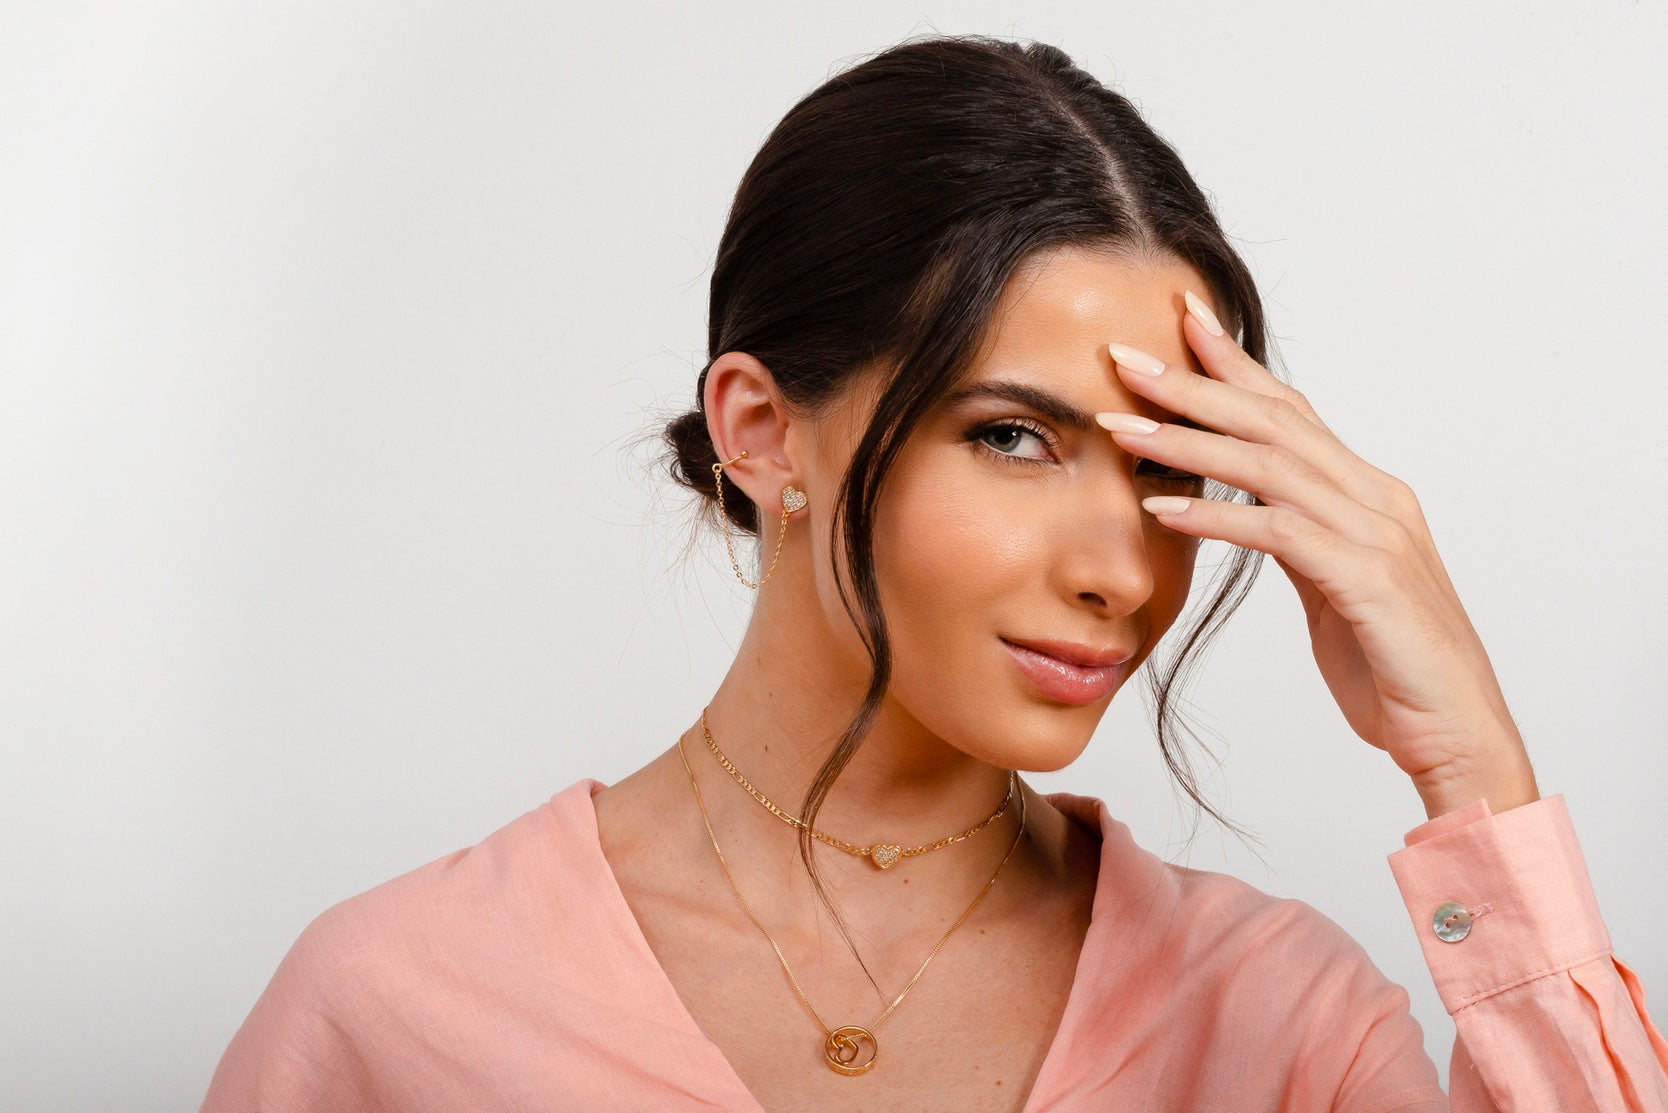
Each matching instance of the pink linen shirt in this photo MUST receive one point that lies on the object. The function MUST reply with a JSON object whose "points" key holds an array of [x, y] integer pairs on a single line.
{"points": [[512, 976]]}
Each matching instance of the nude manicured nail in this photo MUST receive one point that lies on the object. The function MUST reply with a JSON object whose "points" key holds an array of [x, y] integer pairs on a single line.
{"points": [[1135, 359], [1126, 423], [1201, 313], [1165, 504]]}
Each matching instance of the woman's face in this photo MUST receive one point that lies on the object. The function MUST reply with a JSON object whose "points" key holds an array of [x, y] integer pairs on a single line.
{"points": [[1003, 522]]}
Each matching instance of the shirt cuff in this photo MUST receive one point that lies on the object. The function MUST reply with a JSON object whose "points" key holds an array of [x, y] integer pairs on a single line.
{"points": [[1498, 900]]}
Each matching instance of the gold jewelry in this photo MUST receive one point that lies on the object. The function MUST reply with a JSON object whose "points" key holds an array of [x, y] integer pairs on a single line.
{"points": [[792, 499], [883, 855], [841, 1046]]}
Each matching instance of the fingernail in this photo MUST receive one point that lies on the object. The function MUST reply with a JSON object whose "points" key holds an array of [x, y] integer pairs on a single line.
{"points": [[1135, 359], [1160, 505], [1126, 423], [1201, 313]]}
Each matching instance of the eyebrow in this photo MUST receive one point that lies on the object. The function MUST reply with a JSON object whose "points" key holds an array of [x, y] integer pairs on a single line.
{"points": [[1047, 403]]}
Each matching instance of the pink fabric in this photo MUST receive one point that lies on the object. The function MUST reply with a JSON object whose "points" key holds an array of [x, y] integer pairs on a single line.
{"points": [[1545, 1016], [512, 976]]}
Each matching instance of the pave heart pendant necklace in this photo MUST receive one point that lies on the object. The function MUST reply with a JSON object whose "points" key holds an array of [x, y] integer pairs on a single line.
{"points": [[883, 855], [843, 1048]]}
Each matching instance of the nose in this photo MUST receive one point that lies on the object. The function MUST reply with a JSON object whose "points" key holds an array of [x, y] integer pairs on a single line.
{"points": [[1105, 562]]}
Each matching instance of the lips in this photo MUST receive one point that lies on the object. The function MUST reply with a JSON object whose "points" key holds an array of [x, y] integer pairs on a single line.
{"points": [[1051, 673], [1073, 653]]}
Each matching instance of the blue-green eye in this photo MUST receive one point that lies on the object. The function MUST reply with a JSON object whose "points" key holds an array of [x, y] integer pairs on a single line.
{"points": [[1005, 440], [1001, 436]]}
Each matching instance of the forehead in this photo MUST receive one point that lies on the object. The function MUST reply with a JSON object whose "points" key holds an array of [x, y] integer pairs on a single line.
{"points": [[1062, 307], [1050, 330]]}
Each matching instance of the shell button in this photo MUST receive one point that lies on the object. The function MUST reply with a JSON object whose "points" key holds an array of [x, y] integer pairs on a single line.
{"points": [[1452, 922]]}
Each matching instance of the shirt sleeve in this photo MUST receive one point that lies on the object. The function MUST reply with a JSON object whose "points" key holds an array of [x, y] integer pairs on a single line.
{"points": [[295, 1049], [1545, 1016]]}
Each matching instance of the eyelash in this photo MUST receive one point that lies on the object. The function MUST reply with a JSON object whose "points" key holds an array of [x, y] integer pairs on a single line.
{"points": [[978, 435]]}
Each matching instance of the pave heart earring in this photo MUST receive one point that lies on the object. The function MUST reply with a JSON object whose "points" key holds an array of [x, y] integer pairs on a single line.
{"points": [[792, 499]]}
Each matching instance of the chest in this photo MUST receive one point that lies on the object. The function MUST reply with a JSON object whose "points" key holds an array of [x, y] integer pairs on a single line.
{"points": [[970, 1036]]}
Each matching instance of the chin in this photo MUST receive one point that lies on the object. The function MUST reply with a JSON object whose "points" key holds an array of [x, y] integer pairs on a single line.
{"points": [[1049, 759], [1042, 739]]}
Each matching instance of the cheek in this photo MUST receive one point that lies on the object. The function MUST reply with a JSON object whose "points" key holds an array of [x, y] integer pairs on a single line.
{"points": [[946, 547], [947, 544], [954, 549], [946, 558], [1173, 557]]}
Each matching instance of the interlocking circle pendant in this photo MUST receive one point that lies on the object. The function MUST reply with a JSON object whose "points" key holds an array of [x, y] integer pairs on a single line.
{"points": [[843, 1046]]}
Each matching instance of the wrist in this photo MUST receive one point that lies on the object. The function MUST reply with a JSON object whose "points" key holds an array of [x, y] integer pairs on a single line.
{"points": [[1501, 775]]}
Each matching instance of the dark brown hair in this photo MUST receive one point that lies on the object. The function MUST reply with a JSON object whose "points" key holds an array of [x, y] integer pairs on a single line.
{"points": [[878, 226]]}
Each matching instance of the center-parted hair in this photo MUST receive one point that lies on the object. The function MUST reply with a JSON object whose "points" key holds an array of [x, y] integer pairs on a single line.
{"points": [[873, 235]]}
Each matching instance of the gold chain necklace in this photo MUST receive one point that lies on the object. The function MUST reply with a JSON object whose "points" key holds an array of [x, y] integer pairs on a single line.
{"points": [[842, 1046], [883, 855]]}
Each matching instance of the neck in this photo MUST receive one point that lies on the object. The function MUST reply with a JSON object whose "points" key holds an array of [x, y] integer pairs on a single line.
{"points": [[778, 715]]}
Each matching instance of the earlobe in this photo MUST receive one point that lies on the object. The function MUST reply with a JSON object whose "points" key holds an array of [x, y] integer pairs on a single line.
{"points": [[792, 499]]}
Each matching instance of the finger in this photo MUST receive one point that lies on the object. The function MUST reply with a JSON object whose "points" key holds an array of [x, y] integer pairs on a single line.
{"points": [[1313, 551], [1275, 474], [1223, 358], [1251, 416]]}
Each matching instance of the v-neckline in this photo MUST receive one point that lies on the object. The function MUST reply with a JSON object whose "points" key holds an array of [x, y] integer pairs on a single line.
{"points": [[625, 920]]}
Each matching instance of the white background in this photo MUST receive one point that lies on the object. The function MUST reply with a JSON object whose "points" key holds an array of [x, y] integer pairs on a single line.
{"points": [[331, 337]]}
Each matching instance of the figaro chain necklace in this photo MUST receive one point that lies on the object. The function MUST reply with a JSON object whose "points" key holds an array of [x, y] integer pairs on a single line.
{"points": [[883, 855], [843, 1046]]}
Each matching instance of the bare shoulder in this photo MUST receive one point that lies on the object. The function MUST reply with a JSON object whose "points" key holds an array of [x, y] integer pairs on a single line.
{"points": [[644, 829], [1062, 863], [626, 809]]}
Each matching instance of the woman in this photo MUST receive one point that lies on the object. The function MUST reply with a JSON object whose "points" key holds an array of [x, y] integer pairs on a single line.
{"points": [[980, 349]]}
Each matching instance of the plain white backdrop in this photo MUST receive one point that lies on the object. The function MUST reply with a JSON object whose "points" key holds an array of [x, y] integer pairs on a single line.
{"points": [[331, 335]]}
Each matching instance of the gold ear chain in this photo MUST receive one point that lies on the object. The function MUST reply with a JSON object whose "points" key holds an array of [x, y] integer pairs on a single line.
{"points": [[792, 499]]}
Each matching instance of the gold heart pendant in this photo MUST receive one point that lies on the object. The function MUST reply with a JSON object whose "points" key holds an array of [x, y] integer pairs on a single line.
{"points": [[884, 856]]}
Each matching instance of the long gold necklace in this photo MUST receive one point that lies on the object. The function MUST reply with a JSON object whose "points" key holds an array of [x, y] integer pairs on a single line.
{"points": [[883, 855], [842, 1046]]}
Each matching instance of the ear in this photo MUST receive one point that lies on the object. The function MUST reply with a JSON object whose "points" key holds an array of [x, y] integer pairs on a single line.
{"points": [[745, 411]]}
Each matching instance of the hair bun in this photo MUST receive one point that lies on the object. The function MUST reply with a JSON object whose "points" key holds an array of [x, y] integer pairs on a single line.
{"points": [[693, 456]]}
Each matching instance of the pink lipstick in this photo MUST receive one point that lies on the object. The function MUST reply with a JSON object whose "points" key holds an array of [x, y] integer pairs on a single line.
{"points": [[1067, 672]]}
